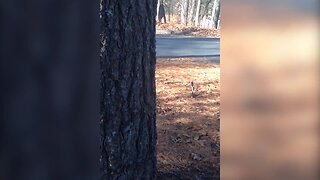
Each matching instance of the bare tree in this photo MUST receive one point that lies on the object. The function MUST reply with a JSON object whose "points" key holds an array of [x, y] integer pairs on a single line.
{"points": [[171, 8], [215, 14], [206, 7], [197, 13], [161, 13], [191, 11], [184, 11], [158, 8]]}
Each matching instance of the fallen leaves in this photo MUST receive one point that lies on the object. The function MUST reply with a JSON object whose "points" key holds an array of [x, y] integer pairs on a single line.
{"points": [[179, 29], [188, 128]]}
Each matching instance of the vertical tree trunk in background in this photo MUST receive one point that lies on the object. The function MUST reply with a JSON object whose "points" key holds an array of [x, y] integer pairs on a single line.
{"points": [[191, 11], [197, 13], [216, 14], [184, 12], [158, 7], [187, 11], [162, 14], [212, 14], [206, 8], [169, 12], [128, 97], [171, 2]]}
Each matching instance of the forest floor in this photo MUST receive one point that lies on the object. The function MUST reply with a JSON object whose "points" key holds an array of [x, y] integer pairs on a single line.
{"points": [[188, 123], [181, 30]]}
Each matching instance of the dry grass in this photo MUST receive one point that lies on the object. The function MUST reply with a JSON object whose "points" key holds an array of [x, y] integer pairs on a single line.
{"points": [[194, 31], [188, 123]]}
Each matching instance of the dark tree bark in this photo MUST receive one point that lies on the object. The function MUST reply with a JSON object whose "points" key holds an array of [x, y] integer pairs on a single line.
{"points": [[162, 14], [128, 103]]}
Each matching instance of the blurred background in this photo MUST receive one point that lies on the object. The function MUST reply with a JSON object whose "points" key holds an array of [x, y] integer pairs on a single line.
{"points": [[270, 89], [49, 89]]}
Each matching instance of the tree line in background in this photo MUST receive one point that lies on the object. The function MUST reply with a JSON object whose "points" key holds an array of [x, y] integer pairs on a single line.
{"points": [[198, 13]]}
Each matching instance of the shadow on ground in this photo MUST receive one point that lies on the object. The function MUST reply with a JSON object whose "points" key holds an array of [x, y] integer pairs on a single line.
{"points": [[188, 122]]}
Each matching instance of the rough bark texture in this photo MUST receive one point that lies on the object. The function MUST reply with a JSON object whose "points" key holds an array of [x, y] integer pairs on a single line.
{"points": [[128, 103]]}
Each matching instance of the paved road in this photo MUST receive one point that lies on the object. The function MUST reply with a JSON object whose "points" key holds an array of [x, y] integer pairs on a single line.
{"points": [[172, 47]]}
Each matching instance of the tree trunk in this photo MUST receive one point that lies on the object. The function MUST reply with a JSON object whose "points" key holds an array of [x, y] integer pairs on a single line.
{"points": [[158, 8], [184, 12], [206, 8], [215, 14], [197, 13], [128, 97], [191, 11], [169, 12], [162, 14]]}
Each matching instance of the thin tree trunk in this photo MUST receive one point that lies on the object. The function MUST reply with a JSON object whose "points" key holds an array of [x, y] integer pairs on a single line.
{"points": [[197, 13], [171, 9], [206, 8], [212, 14], [128, 103], [158, 8], [191, 11], [187, 11], [169, 12], [217, 15], [162, 14], [184, 12]]}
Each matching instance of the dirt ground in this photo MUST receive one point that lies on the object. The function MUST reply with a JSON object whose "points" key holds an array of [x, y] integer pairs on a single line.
{"points": [[188, 121]]}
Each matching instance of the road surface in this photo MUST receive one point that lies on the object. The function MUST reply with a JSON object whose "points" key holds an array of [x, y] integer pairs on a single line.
{"points": [[175, 47]]}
